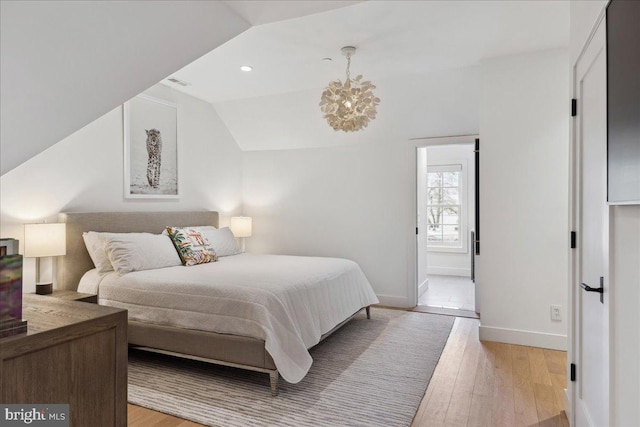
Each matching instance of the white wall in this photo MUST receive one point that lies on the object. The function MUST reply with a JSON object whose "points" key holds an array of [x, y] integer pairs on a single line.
{"points": [[354, 201], [524, 128], [84, 172], [65, 63], [348, 202], [455, 263]]}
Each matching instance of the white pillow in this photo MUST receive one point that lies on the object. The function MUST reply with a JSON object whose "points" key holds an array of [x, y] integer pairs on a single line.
{"points": [[198, 228], [97, 251], [140, 251], [222, 241]]}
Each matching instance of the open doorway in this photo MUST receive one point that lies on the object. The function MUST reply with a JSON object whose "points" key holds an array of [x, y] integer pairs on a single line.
{"points": [[446, 221]]}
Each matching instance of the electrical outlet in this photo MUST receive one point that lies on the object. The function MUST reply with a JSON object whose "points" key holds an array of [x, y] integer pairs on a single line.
{"points": [[556, 313]]}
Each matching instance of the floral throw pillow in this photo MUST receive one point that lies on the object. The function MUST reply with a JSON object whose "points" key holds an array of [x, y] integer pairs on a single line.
{"points": [[192, 246]]}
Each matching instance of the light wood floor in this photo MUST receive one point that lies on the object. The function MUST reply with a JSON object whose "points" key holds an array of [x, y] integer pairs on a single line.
{"points": [[490, 384], [476, 383]]}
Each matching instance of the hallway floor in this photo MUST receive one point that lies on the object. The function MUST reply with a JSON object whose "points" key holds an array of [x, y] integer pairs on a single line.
{"points": [[449, 292], [486, 384]]}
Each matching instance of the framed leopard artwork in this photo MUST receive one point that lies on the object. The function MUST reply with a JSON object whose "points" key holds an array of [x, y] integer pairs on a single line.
{"points": [[150, 148]]}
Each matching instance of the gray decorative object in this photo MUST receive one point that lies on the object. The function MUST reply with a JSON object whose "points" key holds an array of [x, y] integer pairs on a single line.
{"points": [[368, 373]]}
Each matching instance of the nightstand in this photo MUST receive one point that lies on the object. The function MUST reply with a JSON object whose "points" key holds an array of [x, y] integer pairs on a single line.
{"points": [[73, 296]]}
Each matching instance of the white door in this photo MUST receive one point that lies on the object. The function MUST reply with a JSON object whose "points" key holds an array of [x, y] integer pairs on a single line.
{"points": [[421, 231], [591, 319]]}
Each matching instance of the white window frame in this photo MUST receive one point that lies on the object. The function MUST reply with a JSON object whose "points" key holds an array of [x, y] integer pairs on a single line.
{"points": [[458, 166]]}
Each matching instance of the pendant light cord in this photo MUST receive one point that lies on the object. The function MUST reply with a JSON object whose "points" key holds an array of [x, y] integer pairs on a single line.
{"points": [[348, 66]]}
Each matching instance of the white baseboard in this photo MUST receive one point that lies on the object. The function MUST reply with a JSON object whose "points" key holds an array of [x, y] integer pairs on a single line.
{"points": [[448, 271], [394, 301], [424, 286], [567, 404], [519, 337]]}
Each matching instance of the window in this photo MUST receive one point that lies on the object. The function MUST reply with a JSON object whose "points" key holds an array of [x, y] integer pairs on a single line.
{"points": [[444, 209]]}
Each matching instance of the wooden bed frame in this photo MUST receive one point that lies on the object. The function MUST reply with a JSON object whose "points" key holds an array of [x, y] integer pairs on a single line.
{"points": [[222, 349]]}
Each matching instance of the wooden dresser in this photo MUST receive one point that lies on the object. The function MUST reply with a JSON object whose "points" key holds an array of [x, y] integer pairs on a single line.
{"points": [[73, 296], [74, 353]]}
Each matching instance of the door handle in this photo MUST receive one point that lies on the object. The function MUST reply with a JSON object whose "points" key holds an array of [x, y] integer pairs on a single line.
{"points": [[600, 290]]}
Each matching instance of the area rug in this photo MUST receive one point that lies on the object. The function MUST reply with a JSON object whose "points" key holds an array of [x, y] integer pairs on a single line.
{"points": [[369, 373]]}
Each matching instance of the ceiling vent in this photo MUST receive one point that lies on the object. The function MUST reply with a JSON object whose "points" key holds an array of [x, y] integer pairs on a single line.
{"points": [[178, 82]]}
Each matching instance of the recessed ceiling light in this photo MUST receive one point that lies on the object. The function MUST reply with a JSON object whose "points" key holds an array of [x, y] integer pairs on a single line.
{"points": [[246, 68]]}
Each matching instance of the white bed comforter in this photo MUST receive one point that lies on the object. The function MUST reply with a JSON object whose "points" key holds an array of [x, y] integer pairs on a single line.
{"points": [[288, 301]]}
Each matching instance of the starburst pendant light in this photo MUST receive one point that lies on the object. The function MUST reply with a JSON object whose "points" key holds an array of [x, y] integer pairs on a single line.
{"points": [[350, 106]]}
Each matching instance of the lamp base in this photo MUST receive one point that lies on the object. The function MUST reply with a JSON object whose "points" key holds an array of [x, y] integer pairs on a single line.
{"points": [[44, 288]]}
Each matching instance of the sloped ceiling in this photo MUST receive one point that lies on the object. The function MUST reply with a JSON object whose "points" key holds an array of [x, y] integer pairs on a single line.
{"points": [[66, 63], [258, 12], [275, 105]]}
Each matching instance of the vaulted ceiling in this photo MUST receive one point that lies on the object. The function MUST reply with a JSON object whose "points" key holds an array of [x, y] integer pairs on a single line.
{"points": [[65, 63], [397, 42], [393, 38]]}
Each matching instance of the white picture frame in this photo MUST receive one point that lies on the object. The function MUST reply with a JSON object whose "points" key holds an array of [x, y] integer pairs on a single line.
{"points": [[151, 149]]}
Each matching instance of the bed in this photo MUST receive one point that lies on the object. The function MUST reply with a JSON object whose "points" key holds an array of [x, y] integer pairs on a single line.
{"points": [[256, 312]]}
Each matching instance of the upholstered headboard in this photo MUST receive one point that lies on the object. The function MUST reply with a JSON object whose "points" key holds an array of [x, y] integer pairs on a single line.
{"points": [[76, 262]]}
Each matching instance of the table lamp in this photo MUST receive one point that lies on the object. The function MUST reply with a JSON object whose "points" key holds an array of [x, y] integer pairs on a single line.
{"points": [[44, 240], [241, 227]]}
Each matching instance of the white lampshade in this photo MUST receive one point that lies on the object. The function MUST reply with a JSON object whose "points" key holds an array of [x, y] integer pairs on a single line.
{"points": [[241, 226], [43, 240]]}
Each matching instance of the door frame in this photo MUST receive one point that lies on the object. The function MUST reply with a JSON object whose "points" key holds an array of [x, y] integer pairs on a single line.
{"points": [[412, 238], [574, 213]]}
